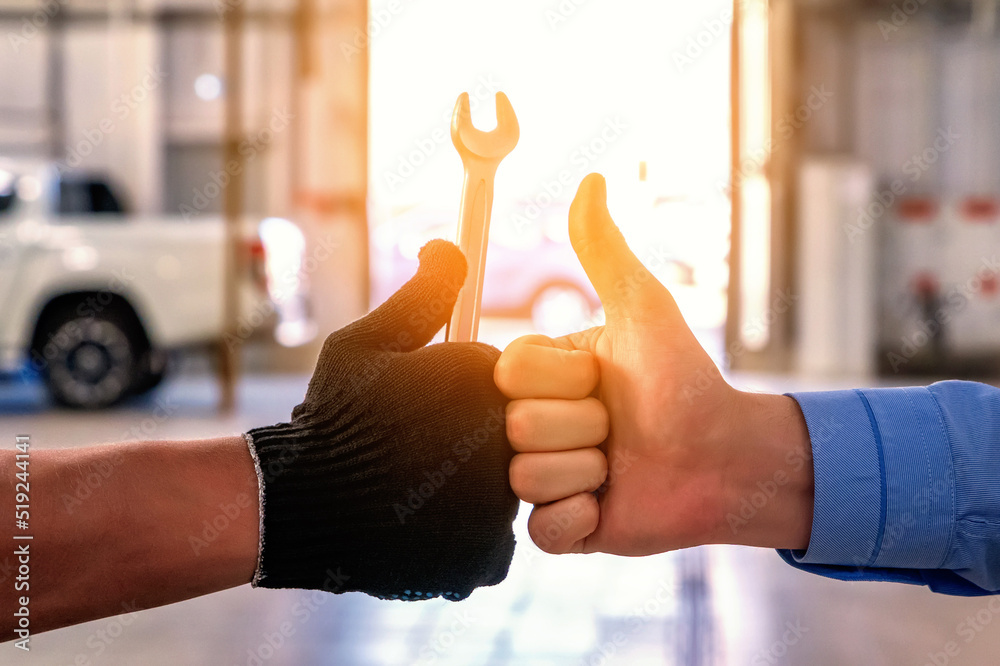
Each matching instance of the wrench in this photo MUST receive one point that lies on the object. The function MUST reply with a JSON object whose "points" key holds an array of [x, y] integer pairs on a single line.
{"points": [[481, 153]]}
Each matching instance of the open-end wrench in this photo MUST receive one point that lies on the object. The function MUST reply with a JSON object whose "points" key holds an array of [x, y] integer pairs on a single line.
{"points": [[481, 152]]}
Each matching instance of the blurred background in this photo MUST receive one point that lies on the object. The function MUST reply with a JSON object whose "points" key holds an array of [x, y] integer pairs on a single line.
{"points": [[193, 193]]}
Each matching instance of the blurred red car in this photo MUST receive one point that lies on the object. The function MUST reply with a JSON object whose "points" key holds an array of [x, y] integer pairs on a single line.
{"points": [[544, 282], [532, 276]]}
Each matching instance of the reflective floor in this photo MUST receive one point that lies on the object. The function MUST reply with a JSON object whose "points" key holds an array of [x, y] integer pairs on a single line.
{"points": [[721, 605]]}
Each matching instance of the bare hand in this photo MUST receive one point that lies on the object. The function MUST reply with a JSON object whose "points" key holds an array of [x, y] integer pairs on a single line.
{"points": [[637, 411]]}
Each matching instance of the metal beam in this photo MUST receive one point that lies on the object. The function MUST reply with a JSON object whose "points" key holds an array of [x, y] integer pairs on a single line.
{"points": [[233, 164]]}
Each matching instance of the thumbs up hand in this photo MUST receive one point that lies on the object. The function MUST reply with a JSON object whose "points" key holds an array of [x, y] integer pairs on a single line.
{"points": [[618, 450], [391, 476]]}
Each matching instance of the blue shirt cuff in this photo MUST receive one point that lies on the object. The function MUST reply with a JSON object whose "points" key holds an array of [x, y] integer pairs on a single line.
{"points": [[884, 485]]}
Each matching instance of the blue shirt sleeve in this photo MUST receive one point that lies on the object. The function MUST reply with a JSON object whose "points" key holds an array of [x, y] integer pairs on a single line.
{"points": [[907, 486]]}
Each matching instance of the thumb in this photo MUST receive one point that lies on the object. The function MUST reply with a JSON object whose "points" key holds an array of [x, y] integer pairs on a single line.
{"points": [[624, 285], [416, 312]]}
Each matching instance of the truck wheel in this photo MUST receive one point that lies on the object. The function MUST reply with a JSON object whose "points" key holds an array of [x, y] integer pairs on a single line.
{"points": [[92, 362]]}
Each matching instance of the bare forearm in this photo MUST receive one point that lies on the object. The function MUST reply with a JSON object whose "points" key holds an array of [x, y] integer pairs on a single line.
{"points": [[128, 526]]}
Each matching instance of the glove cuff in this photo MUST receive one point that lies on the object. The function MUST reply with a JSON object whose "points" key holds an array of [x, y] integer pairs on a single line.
{"points": [[300, 545], [248, 438]]}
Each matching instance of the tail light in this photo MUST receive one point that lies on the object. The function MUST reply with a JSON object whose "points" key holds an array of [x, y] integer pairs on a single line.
{"points": [[925, 285], [989, 285], [257, 260], [919, 210], [980, 209]]}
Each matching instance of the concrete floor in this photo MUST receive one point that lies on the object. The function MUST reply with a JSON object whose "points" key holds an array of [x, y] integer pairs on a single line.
{"points": [[723, 605]]}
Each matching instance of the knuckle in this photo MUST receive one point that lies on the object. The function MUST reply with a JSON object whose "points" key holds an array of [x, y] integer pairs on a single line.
{"points": [[587, 370], [597, 468], [505, 373], [602, 420], [545, 533], [590, 514], [522, 477], [518, 424], [540, 539]]}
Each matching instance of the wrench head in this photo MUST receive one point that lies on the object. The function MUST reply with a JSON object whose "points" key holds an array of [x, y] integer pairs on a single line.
{"points": [[492, 145]]}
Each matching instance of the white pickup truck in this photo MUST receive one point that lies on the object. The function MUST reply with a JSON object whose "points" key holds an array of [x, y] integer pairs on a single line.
{"points": [[92, 298]]}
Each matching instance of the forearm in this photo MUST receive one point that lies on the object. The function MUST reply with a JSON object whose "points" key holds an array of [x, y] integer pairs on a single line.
{"points": [[108, 521]]}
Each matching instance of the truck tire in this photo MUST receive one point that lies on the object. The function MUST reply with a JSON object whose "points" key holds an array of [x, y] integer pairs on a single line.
{"points": [[91, 361]]}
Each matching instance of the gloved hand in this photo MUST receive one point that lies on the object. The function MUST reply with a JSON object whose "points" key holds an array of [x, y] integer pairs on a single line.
{"points": [[391, 477]]}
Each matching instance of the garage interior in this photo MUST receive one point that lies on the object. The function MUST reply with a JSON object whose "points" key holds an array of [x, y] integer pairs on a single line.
{"points": [[816, 181]]}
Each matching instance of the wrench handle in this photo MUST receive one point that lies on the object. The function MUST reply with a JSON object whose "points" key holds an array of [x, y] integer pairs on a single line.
{"points": [[473, 239]]}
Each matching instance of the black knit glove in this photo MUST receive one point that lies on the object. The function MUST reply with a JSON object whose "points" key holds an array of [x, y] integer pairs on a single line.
{"points": [[391, 477]]}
